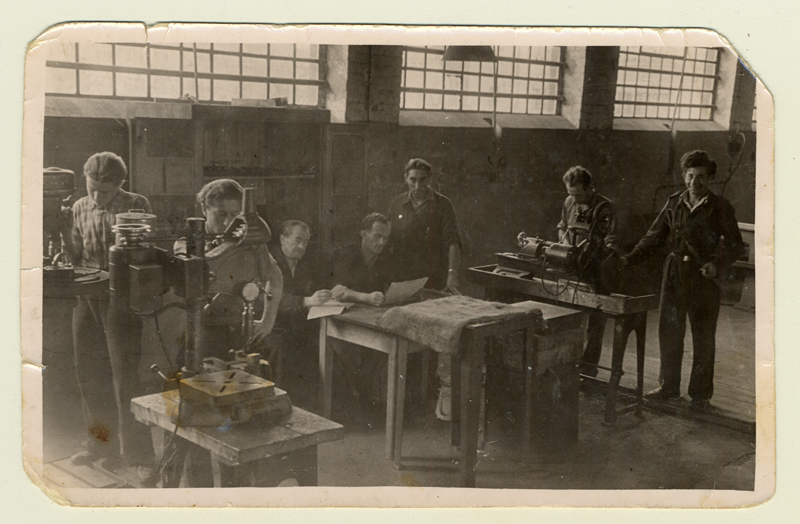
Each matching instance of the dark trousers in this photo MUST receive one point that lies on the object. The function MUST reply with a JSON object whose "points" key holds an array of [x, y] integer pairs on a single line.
{"points": [[93, 371], [107, 349], [124, 340], [685, 292]]}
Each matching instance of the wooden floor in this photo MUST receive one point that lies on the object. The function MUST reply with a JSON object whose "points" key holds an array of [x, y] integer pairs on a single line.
{"points": [[734, 370]]}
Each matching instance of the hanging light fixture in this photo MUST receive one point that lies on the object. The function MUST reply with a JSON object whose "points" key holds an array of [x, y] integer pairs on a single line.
{"points": [[469, 53], [482, 53]]}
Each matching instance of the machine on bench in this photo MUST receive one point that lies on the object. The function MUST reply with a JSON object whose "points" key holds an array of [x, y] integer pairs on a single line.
{"points": [[583, 266], [206, 391]]}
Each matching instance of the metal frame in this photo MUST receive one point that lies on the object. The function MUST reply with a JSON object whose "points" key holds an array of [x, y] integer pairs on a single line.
{"points": [[460, 93], [183, 73], [620, 103]]}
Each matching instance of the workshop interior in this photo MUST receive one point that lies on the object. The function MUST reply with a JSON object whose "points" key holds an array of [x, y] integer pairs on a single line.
{"points": [[324, 135]]}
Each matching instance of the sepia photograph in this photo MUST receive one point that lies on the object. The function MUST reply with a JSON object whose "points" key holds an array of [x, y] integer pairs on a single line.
{"points": [[522, 264]]}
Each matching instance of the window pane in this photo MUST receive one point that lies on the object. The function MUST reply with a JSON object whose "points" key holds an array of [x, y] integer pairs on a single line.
{"points": [[255, 90], [307, 95], [414, 101], [469, 103], [94, 53], [60, 80], [165, 87], [129, 56], [227, 47], [254, 66], [281, 69], [96, 83], [165, 59], [224, 90], [433, 101], [256, 49], [451, 103], [131, 85], [225, 64], [307, 51], [281, 50], [503, 105], [307, 71], [281, 91]]}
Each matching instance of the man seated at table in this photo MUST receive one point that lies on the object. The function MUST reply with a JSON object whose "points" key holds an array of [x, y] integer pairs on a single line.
{"points": [[360, 272], [293, 341], [361, 268]]}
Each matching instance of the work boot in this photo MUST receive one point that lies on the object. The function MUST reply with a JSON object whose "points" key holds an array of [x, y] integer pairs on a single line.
{"points": [[444, 404], [699, 405], [662, 394]]}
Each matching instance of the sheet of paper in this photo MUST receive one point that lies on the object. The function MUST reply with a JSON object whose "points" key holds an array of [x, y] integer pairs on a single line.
{"points": [[330, 308], [402, 291]]}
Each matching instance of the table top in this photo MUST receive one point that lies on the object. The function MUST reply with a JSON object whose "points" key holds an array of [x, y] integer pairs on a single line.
{"points": [[245, 442], [569, 297], [368, 316]]}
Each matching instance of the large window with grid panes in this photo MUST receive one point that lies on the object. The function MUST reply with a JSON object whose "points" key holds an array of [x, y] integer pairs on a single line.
{"points": [[529, 81], [289, 73], [666, 83]]}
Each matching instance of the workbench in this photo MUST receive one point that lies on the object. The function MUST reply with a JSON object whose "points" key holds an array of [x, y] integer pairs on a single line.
{"points": [[253, 453], [629, 315], [359, 325]]}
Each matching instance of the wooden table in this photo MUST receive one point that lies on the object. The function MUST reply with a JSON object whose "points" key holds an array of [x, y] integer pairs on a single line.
{"points": [[629, 315], [359, 326], [242, 454]]}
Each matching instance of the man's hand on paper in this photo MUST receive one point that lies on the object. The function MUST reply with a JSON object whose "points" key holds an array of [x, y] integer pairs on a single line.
{"points": [[318, 298], [375, 298]]}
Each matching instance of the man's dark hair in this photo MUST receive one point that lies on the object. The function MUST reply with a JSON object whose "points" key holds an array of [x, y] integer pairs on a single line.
{"points": [[218, 190], [698, 158], [370, 219], [418, 163], [578, 175], [288, 226], [105, 167]]}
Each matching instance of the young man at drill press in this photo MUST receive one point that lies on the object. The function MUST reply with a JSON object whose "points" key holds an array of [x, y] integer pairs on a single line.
{"points": [[220, 203], [107, 369], [700, 230], [588, 219]]}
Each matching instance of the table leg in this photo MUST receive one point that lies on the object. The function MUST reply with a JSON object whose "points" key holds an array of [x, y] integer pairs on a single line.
{"points": [[400, 395], [241, 476], [325, 369], [455, 398], [391, 398], [304, 465], [424, 376], [617, 358], [470, 369], [528, 363], [172, 455], [641, 332]]}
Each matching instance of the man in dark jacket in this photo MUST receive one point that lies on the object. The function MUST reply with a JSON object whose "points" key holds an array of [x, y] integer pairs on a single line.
{"points": [[588, 216], [699, 228], [293, 343], [427, 243]]}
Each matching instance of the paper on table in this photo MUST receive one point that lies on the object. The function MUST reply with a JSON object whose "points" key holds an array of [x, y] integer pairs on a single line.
{"points": [[402, 291], [329, 308]]}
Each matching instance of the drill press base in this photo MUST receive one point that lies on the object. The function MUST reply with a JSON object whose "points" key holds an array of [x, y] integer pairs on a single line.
{"points": [[275, 408]]}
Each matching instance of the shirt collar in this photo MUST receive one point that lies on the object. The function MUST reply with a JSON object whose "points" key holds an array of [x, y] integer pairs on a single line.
{"points": [[106, 207], [685, 198], [428, 198]]}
